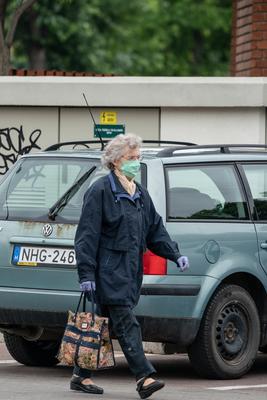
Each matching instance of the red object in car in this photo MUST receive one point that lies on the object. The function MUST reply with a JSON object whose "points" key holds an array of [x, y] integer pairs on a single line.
{"points": [[153, 264]]}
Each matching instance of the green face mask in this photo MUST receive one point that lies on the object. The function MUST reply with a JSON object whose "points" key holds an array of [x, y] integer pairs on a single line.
{"points": [[130, 168]]}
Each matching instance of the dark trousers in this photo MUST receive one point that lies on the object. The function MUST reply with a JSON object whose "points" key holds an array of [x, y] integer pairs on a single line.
{"points": [[127, 330]]}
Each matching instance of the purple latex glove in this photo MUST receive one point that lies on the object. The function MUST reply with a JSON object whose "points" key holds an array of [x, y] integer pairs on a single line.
{"points": [[183, 263], [87, 286]]}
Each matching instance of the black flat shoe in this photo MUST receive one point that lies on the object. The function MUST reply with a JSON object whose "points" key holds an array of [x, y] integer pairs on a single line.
{"points": [[76, 384], [148, 390]]}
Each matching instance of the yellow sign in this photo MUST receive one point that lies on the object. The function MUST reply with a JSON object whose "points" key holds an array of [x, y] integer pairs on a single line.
{"points": [[108, 117]]}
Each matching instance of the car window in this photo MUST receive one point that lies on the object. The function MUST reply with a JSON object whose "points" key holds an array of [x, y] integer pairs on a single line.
{"points": [[204, 192], [257, 179], [37, 183]]}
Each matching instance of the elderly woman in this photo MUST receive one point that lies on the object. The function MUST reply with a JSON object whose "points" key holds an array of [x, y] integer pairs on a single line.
{"points": [[118, 223]]}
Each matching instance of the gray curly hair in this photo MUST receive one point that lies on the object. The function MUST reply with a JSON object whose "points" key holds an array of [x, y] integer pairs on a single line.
{"points": [[116, 148]]}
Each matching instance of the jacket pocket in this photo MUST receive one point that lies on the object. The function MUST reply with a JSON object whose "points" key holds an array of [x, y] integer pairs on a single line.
{"points": [[113, 282], [108, 260]]}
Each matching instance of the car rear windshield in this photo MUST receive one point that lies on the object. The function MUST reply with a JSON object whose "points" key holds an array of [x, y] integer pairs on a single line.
{"points": [[35, 185]]}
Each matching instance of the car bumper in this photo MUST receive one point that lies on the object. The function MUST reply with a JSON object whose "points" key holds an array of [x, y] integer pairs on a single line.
{"points": [[51, 311], [169, 330]]}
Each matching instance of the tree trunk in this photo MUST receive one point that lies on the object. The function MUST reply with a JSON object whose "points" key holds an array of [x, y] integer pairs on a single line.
{"points": [[36, 51], [7, 38], [4, 60], [37, 57]]}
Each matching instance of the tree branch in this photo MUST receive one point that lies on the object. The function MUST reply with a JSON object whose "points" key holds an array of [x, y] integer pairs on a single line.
{"points": [[15, 19], [2, 39], [3, 4]]}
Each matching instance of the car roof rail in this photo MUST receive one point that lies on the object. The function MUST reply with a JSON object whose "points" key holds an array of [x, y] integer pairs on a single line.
{"points": [[223, 148], [169, 142], [57, 146]]}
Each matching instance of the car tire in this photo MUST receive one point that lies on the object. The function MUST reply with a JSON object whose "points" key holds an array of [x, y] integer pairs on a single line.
{"points": [[32, 353], [229, 335]]}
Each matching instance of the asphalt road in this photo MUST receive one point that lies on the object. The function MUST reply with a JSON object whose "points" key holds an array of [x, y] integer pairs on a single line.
{"points": [[26, 383]]}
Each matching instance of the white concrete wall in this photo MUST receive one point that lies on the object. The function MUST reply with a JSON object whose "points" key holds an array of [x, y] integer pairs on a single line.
{"points": [[23, 129], [214, 125], [76, 123], [39, 111], [133, 91]]}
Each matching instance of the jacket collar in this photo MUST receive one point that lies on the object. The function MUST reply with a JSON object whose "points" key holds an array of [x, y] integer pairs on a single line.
{"points": [[119, 191]]}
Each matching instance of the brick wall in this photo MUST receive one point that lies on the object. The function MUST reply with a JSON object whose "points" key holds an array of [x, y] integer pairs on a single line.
{"points": [[249, 38]]}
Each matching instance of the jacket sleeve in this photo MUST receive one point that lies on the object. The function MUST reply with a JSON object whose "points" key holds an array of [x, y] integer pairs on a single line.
{"points": [[158, 240], [88, 234]]}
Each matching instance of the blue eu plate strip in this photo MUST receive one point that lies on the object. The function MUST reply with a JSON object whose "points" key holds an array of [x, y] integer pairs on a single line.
{"points": [[16, 253]]}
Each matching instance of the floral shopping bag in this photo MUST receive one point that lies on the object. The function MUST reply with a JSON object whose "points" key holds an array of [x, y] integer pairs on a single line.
{"points": [[86, 341]]}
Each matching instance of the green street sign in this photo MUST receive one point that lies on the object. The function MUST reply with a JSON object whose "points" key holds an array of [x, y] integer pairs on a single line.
{"points": [[108, 131]]}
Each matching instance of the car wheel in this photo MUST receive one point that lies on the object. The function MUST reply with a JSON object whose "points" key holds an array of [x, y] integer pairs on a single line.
{"points": [[32, 353], [229, 335]]}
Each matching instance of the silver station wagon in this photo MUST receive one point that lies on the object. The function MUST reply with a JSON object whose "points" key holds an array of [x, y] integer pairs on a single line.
{"points": [[213, 201]]}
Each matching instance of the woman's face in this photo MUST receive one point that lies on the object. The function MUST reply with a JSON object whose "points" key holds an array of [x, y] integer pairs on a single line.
{"points": [[129, 155]]}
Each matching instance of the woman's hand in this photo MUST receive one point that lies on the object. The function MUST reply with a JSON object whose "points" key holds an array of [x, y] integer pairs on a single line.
{"points": [[183, 263], [87, 286]]}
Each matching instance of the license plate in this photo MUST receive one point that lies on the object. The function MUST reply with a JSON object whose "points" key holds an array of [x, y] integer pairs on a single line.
{"points": [[33, 256]]}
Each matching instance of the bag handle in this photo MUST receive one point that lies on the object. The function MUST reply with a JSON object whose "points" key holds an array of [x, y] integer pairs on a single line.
{"points": [[84, 296]]}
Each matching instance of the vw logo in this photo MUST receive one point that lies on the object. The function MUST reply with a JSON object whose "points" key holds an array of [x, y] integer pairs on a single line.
{"points": [[47, 230]]}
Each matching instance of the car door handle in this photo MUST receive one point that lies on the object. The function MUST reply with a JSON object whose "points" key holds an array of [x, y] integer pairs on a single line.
{"points": [[264, 245]]}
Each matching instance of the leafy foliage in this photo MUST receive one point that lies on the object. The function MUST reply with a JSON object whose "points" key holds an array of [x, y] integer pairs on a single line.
{"points": [[137, 37]]}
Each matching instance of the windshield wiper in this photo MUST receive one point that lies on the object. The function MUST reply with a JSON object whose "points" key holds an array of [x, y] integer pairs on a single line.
{"points": [[65, 198]]}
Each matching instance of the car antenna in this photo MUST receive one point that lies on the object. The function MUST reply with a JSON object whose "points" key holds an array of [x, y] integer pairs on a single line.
{"points": [[96, 128]]}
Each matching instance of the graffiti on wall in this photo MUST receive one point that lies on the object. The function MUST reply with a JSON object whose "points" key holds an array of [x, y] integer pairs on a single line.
{"points": [[13, 144]]}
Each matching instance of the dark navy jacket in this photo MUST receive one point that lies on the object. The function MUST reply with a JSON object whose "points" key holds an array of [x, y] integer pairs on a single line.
{"points": [[113, 233]]}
